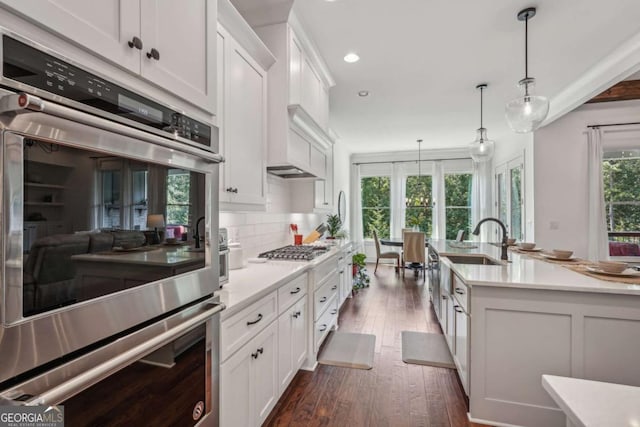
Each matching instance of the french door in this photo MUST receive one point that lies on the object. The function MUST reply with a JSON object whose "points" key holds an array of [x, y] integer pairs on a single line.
{"points": [[510, 197]]}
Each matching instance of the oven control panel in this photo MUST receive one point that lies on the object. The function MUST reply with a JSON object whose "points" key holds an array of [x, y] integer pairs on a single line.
{"points": [[36, 69]]}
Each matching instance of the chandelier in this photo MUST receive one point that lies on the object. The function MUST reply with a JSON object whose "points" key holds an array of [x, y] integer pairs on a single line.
{"points": [[419, 200]]}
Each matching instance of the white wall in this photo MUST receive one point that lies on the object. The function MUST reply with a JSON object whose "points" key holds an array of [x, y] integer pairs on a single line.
{"points": [[560, 160], [341, 177]]}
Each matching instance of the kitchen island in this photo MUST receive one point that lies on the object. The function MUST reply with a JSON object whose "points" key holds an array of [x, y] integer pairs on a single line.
{"points": [[510, 323]]}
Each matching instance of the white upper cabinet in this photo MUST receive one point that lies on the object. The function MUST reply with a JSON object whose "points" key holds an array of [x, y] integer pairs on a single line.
{"points": [[179, 48], [105, 27], [170, 44], [242, 124], [243, 61]]}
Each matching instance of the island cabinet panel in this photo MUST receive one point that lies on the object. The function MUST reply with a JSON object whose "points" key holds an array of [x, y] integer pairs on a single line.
{"points": [[602, 337], [517, 335]]}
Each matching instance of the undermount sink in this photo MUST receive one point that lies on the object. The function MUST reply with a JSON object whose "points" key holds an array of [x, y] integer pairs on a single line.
{"points": [[472, 259]]}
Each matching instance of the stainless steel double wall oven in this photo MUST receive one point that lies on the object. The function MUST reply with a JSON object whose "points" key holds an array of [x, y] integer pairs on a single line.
{"points": [[94, 290]]}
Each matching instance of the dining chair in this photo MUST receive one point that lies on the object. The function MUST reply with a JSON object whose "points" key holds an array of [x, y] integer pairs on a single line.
{"points": [[384, 255], [413, 251]]}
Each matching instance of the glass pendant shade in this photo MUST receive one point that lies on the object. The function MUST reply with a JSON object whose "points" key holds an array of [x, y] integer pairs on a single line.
{"points": [[527, 112], [482, 149]]}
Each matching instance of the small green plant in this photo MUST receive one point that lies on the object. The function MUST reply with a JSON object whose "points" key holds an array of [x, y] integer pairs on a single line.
{"points": [[361, 278], [334, 226]]}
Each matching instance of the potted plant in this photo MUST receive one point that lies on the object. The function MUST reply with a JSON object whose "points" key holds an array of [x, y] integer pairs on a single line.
{"points": [[361, 278], [334, 225]]}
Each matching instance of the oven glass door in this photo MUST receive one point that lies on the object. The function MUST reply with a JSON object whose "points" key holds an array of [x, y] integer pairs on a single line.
{"points": [[170, 387], [98, 223]]}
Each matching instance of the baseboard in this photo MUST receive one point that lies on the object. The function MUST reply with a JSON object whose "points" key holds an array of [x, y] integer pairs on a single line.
{"points": [[489, 423]]}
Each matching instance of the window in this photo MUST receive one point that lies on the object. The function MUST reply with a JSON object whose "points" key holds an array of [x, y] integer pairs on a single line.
{"points": [[178, 197], [111, 199], [457, 189], [620, 173], [139, 180], [509, 198], [376, 209], [516, 203], [418, 194]]}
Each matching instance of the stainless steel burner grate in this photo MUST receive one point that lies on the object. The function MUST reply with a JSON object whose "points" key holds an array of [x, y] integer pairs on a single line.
{"points": [[295, 253]]}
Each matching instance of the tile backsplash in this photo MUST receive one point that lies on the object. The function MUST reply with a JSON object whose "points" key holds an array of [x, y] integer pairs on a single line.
{"points": [[258, 232]]}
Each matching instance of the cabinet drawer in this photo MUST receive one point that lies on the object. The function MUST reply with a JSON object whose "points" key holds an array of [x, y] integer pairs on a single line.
{"points": [[461, 292], [291, 292], [239, 328], [325, 323], [324, 270], [322, 297]]}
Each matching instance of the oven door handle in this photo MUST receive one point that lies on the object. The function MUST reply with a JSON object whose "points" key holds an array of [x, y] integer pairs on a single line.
{"points": [[23, 101], [75, 385]]}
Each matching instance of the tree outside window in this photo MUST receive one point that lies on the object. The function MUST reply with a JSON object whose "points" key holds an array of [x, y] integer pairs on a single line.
{"points": [[376, 206], [457, 188], [621, 178], [178, 197], [418, 194]]}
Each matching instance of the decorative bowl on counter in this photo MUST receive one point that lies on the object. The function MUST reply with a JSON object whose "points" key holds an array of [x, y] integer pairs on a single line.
{"points": [[612, 266], [562, 253], [525, 245], [511, 242]]}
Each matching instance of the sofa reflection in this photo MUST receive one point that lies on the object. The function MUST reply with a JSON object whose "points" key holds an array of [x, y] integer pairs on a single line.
{"points": [[68, 268]]}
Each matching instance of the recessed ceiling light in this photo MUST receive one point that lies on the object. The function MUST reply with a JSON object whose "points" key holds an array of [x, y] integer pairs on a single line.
{"points": [[363, 93], [351, 57]]}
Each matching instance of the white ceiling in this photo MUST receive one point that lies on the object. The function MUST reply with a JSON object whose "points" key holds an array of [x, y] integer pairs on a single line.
{"points": [[421, 61]]}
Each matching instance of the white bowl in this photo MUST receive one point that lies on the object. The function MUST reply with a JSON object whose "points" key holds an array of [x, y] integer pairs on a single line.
{"points": [[561, 253], [612, 266], [525, 245]]}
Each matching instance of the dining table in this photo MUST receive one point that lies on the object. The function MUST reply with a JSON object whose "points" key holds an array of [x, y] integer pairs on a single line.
{"points": [[398, 241]]}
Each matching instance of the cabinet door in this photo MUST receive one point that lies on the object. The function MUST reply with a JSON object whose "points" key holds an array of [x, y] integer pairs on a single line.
{"points": [[462, 345], [221, 41], [286, 323], [318, 162], [236, 397], [295, 69], [245, 88], [323, 107], [104, 27], [184, 37], [299, 334], [310, 89], [264, 373]]}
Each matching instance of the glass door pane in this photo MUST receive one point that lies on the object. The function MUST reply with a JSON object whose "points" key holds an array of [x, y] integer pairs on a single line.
{"points": [[516, 202]]}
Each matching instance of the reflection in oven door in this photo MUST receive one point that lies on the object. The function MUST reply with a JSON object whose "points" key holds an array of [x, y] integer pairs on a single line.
{"points": [[166, 388]]}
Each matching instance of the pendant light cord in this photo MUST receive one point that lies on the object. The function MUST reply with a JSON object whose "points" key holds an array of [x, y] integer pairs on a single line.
{"points": [[526, 48], [481, 91]]}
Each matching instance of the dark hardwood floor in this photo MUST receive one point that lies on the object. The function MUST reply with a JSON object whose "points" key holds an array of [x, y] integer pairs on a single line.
{"points": [[393, 393]]}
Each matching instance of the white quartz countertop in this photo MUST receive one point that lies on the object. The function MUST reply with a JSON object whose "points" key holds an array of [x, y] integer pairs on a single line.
{"points": [[254, 281], [523, 271], [593, 403]]}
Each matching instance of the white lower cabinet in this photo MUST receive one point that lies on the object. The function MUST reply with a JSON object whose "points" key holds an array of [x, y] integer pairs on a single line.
{"points": [[292, 342], [461, 353], [248, 381]]}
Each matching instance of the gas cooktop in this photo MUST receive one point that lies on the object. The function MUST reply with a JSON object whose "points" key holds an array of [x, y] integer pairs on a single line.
{"points": [[295, 253]]}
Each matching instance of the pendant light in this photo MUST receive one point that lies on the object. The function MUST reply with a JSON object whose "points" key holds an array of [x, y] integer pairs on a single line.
{"points": [[418, 201], [482, 148], [528, 111]]}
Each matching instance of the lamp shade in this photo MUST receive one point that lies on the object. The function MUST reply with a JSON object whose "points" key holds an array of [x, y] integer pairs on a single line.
{"points": [[527, 112], [155, 221], [482, 149]]}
